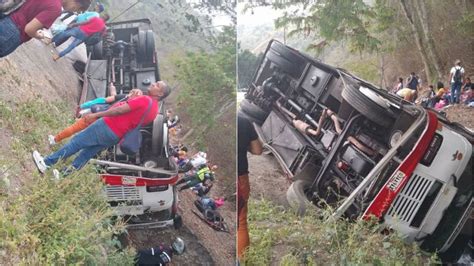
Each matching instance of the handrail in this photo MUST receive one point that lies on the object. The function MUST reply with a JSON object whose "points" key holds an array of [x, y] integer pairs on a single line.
{"points": [[133, 167]]}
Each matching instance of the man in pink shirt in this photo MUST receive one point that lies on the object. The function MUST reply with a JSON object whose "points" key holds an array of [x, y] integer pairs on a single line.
{"points": [[32, 16], [80, 32], [107, 131]]}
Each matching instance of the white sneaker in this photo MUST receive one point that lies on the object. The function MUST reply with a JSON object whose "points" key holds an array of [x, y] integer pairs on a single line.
{"points": [[51, 140], [56, 174], [39, 161]]}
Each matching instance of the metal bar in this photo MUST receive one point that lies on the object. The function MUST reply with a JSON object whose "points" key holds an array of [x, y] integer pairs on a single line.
{"points": [[375, 171], [134, 167]]}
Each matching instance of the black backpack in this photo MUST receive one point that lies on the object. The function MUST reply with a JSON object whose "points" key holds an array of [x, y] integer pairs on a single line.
{"points": [[457, 75], [7, 7]]}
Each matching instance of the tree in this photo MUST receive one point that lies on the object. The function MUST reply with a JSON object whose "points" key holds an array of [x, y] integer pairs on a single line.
{"points": [[246, 64]]}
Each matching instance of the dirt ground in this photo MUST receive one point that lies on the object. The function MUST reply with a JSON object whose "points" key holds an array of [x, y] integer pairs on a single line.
{"points": [[205, 246]]}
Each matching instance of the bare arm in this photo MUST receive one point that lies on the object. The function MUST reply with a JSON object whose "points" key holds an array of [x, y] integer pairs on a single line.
{"points": [[255, 147], [110, 99], [122, 109], [32, 28]]}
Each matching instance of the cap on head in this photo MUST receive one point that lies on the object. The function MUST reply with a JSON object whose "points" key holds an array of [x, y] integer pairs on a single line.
{"points": [[178, 246], [457, 62]]}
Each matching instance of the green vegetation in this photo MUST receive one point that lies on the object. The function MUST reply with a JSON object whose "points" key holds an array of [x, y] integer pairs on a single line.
{"points": [[207, 81], [246, 64], [44, 222], [278, 235]]}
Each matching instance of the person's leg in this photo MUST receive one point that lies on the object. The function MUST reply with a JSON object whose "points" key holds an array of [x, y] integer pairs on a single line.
{"points": [[86, 154], [453, 88], [63, 36], [9, 36], [79, 125], [458, 91], [102, 138], [71, 46], [91, 136], [243, 193]]}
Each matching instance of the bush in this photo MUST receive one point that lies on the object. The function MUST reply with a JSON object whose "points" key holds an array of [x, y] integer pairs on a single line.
{"points": [[46, 222], [313, 240]]}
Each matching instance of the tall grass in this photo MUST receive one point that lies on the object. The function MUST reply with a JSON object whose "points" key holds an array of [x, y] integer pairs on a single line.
{"points": [[280, 237], [43, 221]]}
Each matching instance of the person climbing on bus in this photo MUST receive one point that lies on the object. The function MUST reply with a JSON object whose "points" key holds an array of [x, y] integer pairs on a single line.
{"points": [[80, 31], [25, 20], [111, 126], [82, 123]]}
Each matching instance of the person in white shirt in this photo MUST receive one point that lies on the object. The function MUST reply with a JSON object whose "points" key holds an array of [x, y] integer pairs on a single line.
{"points": [[456, 76]]}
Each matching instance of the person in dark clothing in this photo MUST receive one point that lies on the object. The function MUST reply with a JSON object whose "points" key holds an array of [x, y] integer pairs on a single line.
{"points": [[160, 255], [203, 174], [247, 140]]}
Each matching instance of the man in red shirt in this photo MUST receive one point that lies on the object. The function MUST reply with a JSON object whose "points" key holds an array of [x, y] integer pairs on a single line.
{"points": [[80, 32], [107, 131], [25, 22]]}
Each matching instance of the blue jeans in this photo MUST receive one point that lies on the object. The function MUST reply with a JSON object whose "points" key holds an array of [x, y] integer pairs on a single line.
{"points": [[61, 37], [9, 36], [456, 92], [89, 142]]}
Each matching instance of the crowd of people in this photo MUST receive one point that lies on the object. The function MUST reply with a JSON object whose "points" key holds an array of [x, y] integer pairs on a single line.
{"points": [[459, 91], [198, 175]]}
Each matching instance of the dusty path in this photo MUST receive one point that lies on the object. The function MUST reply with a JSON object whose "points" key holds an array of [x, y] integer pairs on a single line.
{"points": [[267, 180]]}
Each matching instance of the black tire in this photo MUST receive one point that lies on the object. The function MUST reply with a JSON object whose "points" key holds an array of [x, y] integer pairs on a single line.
{"points": [[97, 51], [253, 111], [288, 59], [157, 135], [141, 47], [366, 106], [296, 196], [150, 46]]}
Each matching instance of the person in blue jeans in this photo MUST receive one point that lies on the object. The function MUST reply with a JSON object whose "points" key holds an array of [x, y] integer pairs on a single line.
{"points": [[30, 18], [110, 127], [80, 31], [456, 75]]}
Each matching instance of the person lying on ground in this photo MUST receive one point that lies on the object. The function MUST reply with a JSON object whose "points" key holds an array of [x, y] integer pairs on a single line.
{"points": [[82, 123], [202, 188], [191, 180], [160, 255], [207, 203], [110, 127], [28, 21], [80, 32]]}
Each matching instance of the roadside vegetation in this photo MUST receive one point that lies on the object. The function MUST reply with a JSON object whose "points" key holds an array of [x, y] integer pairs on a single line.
{"points": [[207, 83], [279, 236], [45, 221]]}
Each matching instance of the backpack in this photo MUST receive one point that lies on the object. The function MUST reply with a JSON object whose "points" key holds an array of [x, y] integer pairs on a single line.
{"points": [[8, 6], [94, 38], [457, 77], [413, 83]]}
